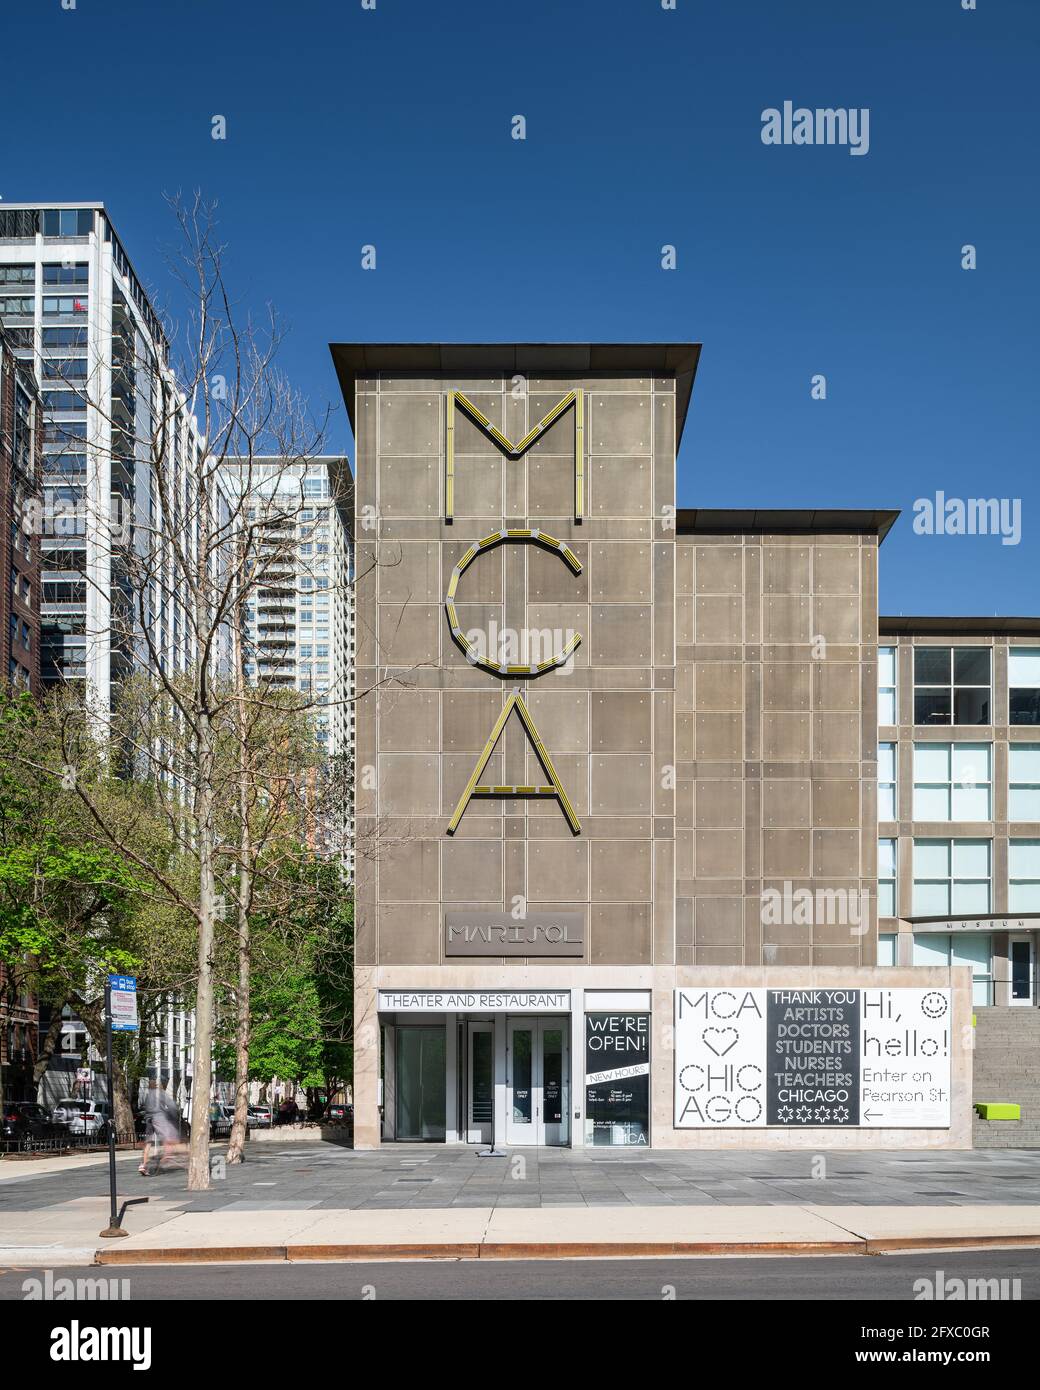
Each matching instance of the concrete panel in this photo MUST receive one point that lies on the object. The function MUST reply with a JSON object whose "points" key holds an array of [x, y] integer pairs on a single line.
{"points": [[407, 871], [409, 935], [786, 619], [409, 784], [786, 853], [621, 934], [719, 736], [836, 685], [621, 871], [786, 737], [621, 722], [836, 619], [558, 870], [409, 633], [718, 853], [719, 685], [619, 424], [472, 871], [718, 569], [786, 685], [408, 571], [620, 487], [836, 802], [410, 424], [622, 784], [621, 634], [719, 803], [836, 569], [479, 485], [786, 801], [409, 720], [409, 487], [786, 569], [719, 618], [619, 572]]}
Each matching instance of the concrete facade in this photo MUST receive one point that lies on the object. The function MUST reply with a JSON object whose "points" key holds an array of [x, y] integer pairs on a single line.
{"points": [[715, 731]]}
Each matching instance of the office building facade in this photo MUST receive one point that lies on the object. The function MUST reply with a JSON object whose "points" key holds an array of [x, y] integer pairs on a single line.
{"points": [[959, 800]]}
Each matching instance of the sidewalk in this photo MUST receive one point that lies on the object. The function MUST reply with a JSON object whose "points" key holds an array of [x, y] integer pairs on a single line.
{"points": [[323, 1202]]}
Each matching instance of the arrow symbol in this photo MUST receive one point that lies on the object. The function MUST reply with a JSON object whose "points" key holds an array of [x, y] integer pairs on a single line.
{"points": [[871, 1114]]}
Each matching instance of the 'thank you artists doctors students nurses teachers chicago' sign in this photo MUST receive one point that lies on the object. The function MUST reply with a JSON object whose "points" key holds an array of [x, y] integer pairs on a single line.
{"points": [[757, 1058]]}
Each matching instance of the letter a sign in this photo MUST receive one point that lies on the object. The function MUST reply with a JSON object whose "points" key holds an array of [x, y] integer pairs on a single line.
{"points": [[554, 787]]}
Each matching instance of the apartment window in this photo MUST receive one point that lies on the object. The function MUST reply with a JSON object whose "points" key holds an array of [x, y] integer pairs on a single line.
{"points": [[65, 337], [17, 274], [886, 781], [887, 709], [64, 304], [952, 781], [1024, 683], [951, 685], [68, 222], [951, 878], [886, 873], [17, 304], [58, 369], [1024, 875], [65, 274], [1024, 781], [959, 948]]}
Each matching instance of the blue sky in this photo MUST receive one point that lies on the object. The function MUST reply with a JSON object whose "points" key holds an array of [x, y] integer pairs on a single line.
{"points": [[392, 127]]}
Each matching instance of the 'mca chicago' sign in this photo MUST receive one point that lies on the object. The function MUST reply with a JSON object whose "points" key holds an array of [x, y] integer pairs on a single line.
{"points": [[800, 1058], [551, 786]]}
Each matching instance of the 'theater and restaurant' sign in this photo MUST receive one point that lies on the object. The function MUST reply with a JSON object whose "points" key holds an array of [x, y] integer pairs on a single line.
{"points": [[832, 1058], [514, 1001]]}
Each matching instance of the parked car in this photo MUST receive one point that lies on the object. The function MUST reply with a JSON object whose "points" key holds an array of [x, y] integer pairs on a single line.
{"points": [[86, 1117], [220, 1119], [24, 1121], [260, 1117], [338, 1113]]}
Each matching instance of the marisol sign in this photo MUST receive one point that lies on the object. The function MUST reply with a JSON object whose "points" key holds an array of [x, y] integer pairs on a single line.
{"points": [[617, 1078], [844, 1058]]}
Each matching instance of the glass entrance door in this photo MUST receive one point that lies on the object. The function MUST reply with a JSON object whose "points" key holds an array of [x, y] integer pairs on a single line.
{"points": [[420, 1077], [537, 1081], [1023, 971], [481, 1076]]}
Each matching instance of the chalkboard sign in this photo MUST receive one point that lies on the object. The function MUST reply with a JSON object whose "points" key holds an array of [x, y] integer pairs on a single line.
{"points": [[617, 1079]]}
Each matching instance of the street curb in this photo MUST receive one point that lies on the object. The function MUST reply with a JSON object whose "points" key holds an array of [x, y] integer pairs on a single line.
{"points": [[551, 1250]]}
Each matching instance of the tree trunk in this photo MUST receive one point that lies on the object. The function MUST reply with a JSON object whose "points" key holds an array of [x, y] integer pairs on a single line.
{"points": [[202, 1059], [239, 1126], [50, 1042]]}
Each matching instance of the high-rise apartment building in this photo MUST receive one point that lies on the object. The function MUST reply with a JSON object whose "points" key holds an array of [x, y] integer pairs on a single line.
{"points": [[20, 439], [80, 318], [299, 630]]}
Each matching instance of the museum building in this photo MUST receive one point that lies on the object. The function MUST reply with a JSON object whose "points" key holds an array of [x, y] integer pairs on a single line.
{"points": [[663, 836]]}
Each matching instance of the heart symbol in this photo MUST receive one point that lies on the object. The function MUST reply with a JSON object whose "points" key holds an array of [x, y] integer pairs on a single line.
{"points": [[729, 1036]]}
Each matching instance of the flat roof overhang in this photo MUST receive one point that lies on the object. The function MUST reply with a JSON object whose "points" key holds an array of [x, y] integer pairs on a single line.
{"points": [[723, 521], [678, 360], [945, 626]]}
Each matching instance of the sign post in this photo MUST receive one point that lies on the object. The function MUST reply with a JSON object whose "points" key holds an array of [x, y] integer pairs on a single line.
{"points": [[121, 1017]]}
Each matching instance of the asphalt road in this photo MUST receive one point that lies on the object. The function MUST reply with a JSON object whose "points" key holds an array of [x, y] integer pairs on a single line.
{"points": [[817, 1278]]}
